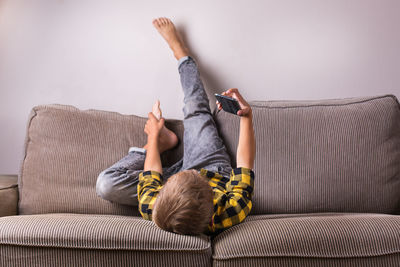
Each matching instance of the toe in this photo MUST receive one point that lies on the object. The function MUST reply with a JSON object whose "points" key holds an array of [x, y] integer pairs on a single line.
{"points": [[156, 22]]}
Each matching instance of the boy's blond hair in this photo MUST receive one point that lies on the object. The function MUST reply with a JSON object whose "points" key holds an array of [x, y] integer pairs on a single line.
{"points": [[184, 205]]}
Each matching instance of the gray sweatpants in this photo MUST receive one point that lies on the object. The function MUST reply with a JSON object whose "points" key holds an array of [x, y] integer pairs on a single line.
{"points": [[202, 146]]}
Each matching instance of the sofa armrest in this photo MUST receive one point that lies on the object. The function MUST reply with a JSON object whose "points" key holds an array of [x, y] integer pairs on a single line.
{"points": [[8, 195]]}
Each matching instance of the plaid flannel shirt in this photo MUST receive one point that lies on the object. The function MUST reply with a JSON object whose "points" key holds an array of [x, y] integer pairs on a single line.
{"points": [[232, 196]]}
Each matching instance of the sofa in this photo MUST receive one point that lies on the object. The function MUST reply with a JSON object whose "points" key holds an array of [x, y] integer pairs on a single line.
{"points": [[327, 190]]}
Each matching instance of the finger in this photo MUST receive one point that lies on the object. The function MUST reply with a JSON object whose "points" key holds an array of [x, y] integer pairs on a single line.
{"points": [[239, 97], [161, 122], [152, 117], [230, 92], [236, 93]]}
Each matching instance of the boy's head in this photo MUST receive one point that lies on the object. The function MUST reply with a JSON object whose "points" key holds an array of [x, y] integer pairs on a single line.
{"points": [[184, 204]]}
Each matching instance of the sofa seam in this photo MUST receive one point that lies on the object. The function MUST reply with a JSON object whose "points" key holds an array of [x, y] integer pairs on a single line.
{"points": [[8, 187], [328, 105], [305, 256], [32, 115], [209, 248]]}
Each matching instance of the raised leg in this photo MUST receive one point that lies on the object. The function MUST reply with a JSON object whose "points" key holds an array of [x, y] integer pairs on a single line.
{"points": [[203, 147]]}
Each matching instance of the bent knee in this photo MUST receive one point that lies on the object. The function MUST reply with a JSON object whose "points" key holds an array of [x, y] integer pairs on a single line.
{"points": [[104, 187]]}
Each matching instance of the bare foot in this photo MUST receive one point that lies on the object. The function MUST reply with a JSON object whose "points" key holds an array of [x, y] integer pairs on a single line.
{"points": [[168, 31], [167, 138]]}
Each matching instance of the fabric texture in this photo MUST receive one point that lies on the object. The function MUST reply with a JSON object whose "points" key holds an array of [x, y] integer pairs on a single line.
{"points": [[66, 149], [310, 239], [391, 260], [125, 240], [231, 196], [334, 155], [8, 195], [23, 256]]}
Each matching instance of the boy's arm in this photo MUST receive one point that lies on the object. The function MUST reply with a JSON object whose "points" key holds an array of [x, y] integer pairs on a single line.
{"points": [[152, 129], [150, 183], [150, 180], [246, 149], [235, 203], [153, 160]]}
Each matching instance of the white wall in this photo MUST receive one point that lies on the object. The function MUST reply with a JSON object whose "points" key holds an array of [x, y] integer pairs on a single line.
{"points": [[106, 54]]}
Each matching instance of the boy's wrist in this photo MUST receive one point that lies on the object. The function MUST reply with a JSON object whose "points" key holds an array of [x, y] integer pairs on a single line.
{"points": [[248, 115], [152, 140]]}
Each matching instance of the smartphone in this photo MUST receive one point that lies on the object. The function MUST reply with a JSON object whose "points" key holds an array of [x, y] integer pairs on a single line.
{"points": [[228, 104]]}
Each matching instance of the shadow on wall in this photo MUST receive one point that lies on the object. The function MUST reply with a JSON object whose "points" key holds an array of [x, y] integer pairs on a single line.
{"points": [[210, 81]]}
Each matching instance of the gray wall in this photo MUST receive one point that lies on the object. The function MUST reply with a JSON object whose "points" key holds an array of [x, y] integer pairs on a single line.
{"points": [[106, 54]]}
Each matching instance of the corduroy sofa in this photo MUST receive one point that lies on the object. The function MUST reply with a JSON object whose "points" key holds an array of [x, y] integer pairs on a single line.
{"points": [[327, 190]]}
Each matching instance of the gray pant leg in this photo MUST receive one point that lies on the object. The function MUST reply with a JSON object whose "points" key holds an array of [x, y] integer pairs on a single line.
{"points": [[118, 183], [203, 147]]}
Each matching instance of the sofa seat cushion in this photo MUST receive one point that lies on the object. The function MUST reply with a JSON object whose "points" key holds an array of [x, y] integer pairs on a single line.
{"points": [[326, 236], [95, 232], [96, 240]]}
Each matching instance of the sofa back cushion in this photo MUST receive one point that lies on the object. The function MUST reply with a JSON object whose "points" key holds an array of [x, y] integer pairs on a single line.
{"points": [[66, 149], [337, 155]]}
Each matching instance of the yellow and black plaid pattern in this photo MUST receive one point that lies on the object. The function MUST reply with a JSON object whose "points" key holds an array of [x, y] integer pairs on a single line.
{"points": [[150, 183], [232, 197]]}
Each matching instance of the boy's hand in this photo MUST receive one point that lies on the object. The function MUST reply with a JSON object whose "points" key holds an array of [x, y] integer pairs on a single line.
{"points": [[153, 126], [245, 109]]}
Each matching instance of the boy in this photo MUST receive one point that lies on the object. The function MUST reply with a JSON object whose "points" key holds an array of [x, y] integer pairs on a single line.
{"points": [[197, 197]]}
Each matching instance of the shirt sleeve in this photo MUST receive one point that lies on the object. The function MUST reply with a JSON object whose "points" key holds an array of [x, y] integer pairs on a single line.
{"points": [[150, 183], [236, 204]]}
